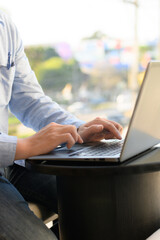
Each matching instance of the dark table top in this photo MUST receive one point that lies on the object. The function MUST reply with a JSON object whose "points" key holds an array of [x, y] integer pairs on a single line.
{"points": [[146, 162]]}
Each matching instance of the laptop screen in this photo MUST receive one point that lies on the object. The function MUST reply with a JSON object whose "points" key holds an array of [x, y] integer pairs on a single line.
{"points": [[144, 129]]}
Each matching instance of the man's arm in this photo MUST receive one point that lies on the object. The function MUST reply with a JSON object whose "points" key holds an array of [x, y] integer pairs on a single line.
{"points": [[22, 92], [54, 134], [35, 110], [28, 101], [46, 140]]}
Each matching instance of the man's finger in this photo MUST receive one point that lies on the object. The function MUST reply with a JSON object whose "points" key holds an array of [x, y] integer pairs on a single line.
{"points": [[109, 126], [70, 129], [117, 125], [67, 138], [94, 129]]}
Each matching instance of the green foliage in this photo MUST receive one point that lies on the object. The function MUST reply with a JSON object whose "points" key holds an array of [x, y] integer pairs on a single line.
{"points": [[52, 71], [38, 54], [55, 73], [13, 121], [12, 130], [145, 48]]}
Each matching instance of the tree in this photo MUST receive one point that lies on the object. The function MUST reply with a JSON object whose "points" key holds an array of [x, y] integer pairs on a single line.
{"points": [[38, 54], [55, 73]]}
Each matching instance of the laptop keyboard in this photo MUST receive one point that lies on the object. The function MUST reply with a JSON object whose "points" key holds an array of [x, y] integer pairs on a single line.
{"points": [[110, 148]]}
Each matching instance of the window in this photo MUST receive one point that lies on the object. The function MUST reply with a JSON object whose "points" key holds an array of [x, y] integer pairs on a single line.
{"points": [[89, 56]]}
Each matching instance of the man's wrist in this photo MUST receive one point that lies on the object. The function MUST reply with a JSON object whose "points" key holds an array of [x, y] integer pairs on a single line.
{"points": [[23, 149]]}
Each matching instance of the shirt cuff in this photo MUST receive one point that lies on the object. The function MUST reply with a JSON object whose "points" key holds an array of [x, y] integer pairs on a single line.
{"points": [[7, 149]]}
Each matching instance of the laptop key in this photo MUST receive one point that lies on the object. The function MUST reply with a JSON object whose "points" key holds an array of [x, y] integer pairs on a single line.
{"points": [[101, 149]]}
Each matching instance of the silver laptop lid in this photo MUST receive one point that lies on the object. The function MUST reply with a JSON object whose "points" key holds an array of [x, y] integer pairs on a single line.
{"points": [[144, 128]]}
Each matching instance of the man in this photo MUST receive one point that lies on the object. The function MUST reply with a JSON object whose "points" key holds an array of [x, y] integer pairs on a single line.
{"points": [[20, 91]]}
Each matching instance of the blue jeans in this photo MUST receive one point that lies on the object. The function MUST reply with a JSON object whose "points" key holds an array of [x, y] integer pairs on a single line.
{"points": [[16, 219]]}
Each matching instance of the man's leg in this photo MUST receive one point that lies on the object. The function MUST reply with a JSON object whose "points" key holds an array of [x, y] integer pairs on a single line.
{"points": [[16, 219], [34, 187]]}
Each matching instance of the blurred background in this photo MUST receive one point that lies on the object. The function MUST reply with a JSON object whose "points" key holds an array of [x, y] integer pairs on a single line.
{"points": [[88, 55]]}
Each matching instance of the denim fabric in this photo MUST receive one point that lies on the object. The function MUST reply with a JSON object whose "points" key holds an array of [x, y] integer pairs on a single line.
{"points": [[34, 187], [17, 222]]}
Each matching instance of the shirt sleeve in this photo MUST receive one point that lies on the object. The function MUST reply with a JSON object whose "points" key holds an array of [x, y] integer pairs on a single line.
{"points": [[28, 102], [8, 149]]}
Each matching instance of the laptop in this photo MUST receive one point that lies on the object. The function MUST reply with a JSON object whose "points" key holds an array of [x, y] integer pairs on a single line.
{"points": [[142, 135]]}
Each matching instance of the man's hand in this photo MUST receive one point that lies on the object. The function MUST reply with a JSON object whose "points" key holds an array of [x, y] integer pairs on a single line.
{"points": [[99, 129], [46, 140]]}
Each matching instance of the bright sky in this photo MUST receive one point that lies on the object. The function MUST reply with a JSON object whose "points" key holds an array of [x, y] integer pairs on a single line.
{"points": [[50, 21]]}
